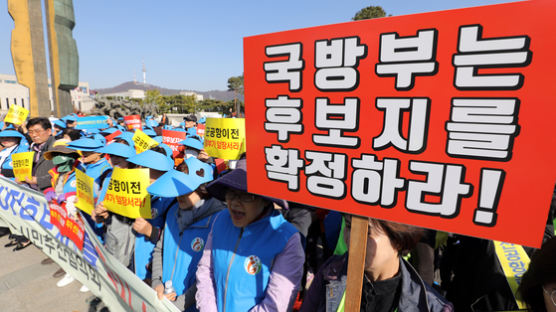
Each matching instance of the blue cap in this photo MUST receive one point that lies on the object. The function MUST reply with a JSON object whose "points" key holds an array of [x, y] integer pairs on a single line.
{"points": [[117, 149], [109, 130], [128, 137], [174, 183], [11, 134], [85, 144], [203, 171], [202, 120], [70, 117], [152, 159], [59, 123], [193, 143], [192, 131], [148, 131], [158, 139]]}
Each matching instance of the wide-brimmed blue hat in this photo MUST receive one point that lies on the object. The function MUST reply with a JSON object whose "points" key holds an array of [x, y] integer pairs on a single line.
{"points": [[192, 131], [117, 149], [202, 120], [69, 117], [11, 134], [149, 131], [173, 184], [153, 160], [237, 179], [59, 123], [201, 169], [128, 137], [193, 143], [86, 144], [109, 130]]}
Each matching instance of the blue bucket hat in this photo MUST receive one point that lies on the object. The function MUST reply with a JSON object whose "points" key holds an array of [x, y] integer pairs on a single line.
{"points": [[59, 123], [174, 183], [201, 170], [117, 149], [11, 134], [128, 137], [193, 143], [153, 160], [86, 144], [192, 131], [148, 131]]}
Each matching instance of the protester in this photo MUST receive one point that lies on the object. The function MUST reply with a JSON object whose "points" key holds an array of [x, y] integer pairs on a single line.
{"points": [[538, 284], [390, 283], [158, 162], [190, 121], [253, 258], [12, 142], [187, 225], [40, 131], [119, 238]]}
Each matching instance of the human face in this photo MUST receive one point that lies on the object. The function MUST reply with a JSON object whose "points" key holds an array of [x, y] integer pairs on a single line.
{"points": [[189, 124], [244, 208], [549, 293], [187, 201], [381, 259], [9, 142], [38, 134], [90, 157]]}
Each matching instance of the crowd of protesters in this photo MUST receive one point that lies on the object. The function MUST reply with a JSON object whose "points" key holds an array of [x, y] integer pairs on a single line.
{"points": [[213, 246]]}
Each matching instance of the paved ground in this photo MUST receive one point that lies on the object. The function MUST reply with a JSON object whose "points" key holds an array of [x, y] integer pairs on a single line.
{"points": [[26, 285]]}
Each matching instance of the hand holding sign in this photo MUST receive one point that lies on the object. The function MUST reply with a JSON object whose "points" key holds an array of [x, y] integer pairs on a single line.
{"points": [[16, 115]]}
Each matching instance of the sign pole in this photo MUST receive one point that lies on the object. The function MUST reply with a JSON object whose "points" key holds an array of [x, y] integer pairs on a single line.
{"points": [[356, 262]]}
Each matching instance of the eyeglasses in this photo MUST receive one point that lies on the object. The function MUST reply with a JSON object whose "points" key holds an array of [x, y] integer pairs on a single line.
{"points": [[241, 196], [552, 295]]}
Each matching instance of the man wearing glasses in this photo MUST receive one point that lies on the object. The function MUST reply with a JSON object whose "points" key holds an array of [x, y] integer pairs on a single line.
{"points": [[39, 130]]}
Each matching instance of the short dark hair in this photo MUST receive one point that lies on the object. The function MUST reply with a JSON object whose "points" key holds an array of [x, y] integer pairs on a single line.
{"points": [[403, 237], [43, 121], [541, 271], [72, 133]]}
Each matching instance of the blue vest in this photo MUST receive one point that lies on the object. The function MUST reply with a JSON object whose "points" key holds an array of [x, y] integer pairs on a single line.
{"points": [[143, 246], [248, 257], [180, 264]]}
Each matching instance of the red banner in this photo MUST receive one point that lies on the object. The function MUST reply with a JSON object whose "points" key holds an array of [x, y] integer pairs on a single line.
{"points": [[172, 138], [201, 130], [443, 120], [132, 122], [72, 229]]}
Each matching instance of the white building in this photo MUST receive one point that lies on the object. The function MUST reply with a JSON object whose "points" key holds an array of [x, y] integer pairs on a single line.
{"points": [[198, 97], [129, 94], [12, 92]]}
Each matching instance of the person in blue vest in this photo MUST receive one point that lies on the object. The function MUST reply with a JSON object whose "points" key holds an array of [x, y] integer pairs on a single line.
{"points": [[119, 238], [253, 258], [188, 223], [158, 161], [12, 142]]}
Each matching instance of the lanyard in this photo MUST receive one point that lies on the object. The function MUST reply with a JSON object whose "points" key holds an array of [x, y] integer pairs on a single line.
{"points": [[514, 262]]}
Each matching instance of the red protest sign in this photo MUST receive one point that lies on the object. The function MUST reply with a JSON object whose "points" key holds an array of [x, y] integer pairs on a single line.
{"points": [[442, 120], [112, 135], [201, 130], [132, 122], [72, 229], [172, 138]]}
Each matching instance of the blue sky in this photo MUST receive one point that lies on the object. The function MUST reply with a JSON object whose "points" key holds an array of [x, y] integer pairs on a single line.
{"points": [[193, 45]]}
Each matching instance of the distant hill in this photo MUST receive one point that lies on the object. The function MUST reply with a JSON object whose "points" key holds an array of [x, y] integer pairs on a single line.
{"points": [[213, 94]]}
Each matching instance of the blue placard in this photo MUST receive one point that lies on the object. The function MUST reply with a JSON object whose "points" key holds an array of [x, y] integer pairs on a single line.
{"points": [[92, 122]]}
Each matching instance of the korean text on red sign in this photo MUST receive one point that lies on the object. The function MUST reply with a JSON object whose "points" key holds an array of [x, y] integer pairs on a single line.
{"points": [[442, 120]]}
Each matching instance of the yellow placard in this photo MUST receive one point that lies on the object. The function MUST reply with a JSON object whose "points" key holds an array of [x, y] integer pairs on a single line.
{"points": [[16, 115], [85, 186], [22, 164], [225, 137], [142, 141], [127, 193]]}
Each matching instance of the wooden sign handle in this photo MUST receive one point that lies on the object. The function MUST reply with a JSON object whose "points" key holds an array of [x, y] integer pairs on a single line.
{"points": [[356, 262]]}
